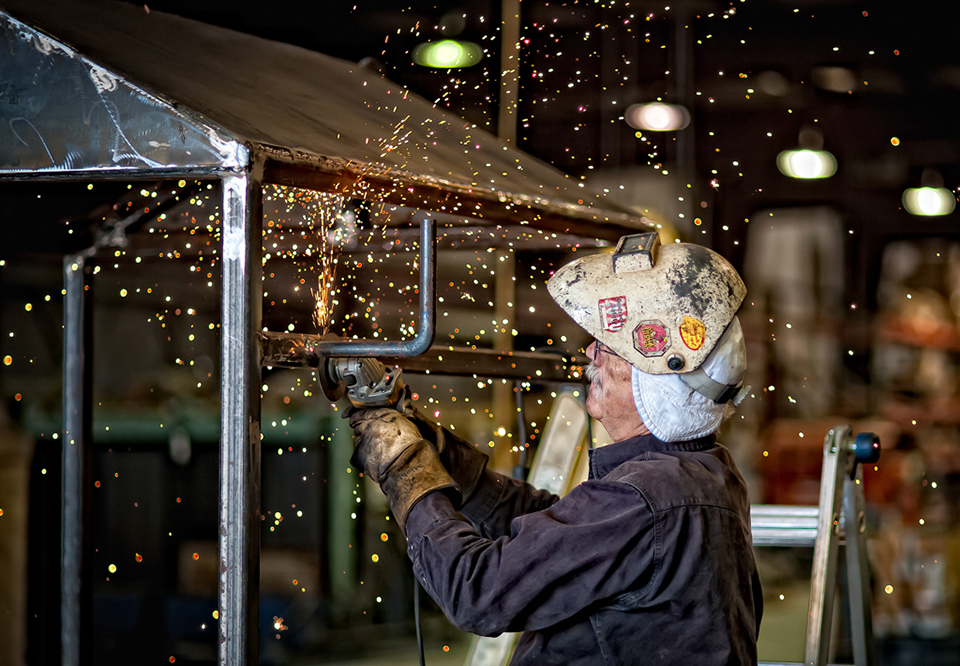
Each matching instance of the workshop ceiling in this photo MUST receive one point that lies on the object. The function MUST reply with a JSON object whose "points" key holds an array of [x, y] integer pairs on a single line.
{"points": [[878, 81]]}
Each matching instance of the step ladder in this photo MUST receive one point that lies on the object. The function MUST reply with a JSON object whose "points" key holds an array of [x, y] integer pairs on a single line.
{"points": [[839, 518]]}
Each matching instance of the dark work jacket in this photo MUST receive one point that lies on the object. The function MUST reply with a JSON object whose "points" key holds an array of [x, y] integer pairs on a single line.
{"points": [[649, 561]]}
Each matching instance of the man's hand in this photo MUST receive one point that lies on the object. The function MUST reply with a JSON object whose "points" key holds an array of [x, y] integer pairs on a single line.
{"points": [[390, 450], [380, 437]]}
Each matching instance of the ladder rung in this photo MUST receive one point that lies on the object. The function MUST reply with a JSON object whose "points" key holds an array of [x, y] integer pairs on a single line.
{"points": [[787, 663], [784, 522], [786, 525], [775, 537], [811, 511]]}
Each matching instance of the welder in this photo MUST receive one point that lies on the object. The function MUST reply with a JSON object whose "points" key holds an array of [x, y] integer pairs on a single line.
{"points": [[650, 560]]}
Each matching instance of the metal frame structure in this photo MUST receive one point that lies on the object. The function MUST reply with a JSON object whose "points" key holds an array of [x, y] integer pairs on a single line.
{"points": [[240, 418], [126, 94]]}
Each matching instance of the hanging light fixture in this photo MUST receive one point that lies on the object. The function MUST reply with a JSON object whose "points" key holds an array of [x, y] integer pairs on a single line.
{"points": [[931, 198], [809, 160], [657, 117], [447, 54]]}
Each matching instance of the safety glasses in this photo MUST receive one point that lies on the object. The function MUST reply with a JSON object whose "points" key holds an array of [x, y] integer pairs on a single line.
{"points": [[599, 349]]}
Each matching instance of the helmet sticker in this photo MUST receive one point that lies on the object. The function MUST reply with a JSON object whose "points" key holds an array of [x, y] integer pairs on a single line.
{"points": [[651, 338], [613, 313], [692, 333]]}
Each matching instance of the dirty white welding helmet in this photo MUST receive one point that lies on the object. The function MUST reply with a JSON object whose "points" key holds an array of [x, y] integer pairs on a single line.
{"points": [[670, 312]]}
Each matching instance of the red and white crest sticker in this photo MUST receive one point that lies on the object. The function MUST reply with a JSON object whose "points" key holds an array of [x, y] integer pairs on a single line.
{"points": [[651, 338], [613, 313]]}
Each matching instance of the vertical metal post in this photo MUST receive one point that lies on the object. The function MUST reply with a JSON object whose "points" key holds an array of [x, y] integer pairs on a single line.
{"points": [[684, 87], [241, 310], [858, 570], [505, 314], [76, 434], [509, 70]]}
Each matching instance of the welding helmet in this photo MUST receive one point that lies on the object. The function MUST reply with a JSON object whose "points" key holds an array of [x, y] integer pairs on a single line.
{"points": [[665, 310]]}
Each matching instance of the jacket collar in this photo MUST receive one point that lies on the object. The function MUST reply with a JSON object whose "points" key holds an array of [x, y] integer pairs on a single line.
{"points": [[606, 459]]}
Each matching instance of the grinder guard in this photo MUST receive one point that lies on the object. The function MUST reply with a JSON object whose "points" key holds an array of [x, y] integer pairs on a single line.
{"points": [[366, 381]]}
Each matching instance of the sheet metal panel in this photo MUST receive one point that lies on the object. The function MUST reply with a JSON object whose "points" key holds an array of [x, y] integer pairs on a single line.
{"points": [[63, 112], [299, 106]]}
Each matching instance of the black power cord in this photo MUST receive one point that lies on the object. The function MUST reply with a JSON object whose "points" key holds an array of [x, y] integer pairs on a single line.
{"points": [[416, 616]]}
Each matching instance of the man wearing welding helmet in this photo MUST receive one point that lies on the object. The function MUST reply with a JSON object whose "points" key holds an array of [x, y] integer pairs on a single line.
{"points": [[649, 561]]}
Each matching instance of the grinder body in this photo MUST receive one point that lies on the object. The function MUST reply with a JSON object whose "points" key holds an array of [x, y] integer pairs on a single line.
{"points": [[365, 381]]}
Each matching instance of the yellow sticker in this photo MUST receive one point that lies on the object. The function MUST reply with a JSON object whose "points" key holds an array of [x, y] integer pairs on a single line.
{"points": [[692, 333]]}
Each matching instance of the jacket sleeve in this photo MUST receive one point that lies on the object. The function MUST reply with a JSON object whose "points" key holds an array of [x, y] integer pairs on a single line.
{"points": [[490, 500], [581, 552], [498, 499]]}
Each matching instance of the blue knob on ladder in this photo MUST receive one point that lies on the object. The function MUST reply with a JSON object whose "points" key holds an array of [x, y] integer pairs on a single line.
{"points": [[866, 447]]}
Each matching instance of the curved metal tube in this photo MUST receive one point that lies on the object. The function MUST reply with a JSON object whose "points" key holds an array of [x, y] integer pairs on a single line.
{"points": [[295, 350]]}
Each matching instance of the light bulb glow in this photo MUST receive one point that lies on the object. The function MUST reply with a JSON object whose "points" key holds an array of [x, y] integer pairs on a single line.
{"points": [[929, 201], [447, 54], [806, 164], [657, 117]]}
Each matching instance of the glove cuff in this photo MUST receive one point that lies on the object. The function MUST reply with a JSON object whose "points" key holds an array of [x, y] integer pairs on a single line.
{"points": [[462, 460], [412, 476]]}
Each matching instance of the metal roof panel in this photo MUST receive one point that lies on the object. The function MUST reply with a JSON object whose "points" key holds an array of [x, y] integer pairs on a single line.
{"points": [[146, 91]]}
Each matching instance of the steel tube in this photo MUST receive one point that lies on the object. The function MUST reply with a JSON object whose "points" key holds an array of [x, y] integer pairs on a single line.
{"points": [[295, 350], [304, 349], [433, 195], [125, 174], [510, 71], [76, 431], [427, 330], [517, 365], [241, 306]]}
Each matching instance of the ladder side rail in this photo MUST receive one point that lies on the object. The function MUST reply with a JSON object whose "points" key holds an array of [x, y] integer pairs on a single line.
{"points": [[858, 570], [825, 551]]}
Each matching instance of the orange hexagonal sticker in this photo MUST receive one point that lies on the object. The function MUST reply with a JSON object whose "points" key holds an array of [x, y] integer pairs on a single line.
{"points": [[651, 338]]}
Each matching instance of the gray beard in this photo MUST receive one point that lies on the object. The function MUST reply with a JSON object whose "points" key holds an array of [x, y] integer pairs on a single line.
{"points": [[593, 373]]}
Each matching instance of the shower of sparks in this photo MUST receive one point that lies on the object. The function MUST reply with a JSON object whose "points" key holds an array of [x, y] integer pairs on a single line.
{"points": [[319, 226]]}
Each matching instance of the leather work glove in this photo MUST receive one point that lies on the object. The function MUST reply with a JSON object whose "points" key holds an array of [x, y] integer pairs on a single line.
{"points": [[463, 461], [390, 450]]}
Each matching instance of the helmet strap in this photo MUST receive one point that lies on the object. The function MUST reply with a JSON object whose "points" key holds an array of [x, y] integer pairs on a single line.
{"points": [[719, 393]]}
